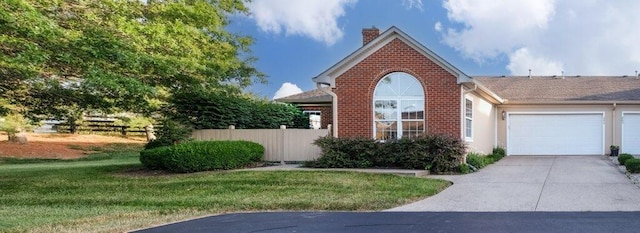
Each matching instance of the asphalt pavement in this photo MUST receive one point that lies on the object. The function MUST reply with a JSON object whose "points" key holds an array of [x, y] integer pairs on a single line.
{"points": [[405, 222], [517, 194]]}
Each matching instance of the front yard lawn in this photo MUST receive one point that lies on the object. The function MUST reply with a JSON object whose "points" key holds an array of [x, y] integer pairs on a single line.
{"points": [[116, 194]]}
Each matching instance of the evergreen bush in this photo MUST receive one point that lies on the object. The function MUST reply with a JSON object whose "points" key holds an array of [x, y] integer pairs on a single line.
{"points": [[196, 156], [632, 165], [434, 152], [624, 157]]}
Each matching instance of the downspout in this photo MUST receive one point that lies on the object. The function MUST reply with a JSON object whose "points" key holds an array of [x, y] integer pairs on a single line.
{"points": [[334, 106], [613, 127]]}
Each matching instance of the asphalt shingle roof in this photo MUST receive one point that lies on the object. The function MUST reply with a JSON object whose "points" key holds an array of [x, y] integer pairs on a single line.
{"points": [[535, 89], [313, 96], [550, 89]]}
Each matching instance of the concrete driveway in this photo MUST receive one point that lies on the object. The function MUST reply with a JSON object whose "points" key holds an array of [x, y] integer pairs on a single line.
{"points": [[537, 183]]}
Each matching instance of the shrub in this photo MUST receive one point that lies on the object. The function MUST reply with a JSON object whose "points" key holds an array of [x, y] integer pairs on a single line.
{"points": [[433, 152], [198, 156], [633, 165], [152, 158], [464, 168], [171, 132], [477, 160], [345, 153], [498, 153], [218, 110], [623, 158]]}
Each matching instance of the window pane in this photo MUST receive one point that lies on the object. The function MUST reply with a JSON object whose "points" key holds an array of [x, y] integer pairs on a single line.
{"points": [[412, 109], [385, 110], [386, 130], [468, 128], [468, 110], [412, 129]]}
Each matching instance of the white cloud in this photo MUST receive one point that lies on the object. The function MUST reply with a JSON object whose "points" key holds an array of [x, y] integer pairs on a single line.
{"points": [[287, 89], [492, 27], [522, 60], [410, 4], [316, 19], [595, 37], [438, 26]]}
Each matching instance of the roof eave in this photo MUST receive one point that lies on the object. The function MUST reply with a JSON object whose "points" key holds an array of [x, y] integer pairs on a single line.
{"points": [[484, 91], [571, 102]]}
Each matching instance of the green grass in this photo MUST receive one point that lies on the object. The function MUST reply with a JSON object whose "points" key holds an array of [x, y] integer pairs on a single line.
{"points": [[115, 194]]}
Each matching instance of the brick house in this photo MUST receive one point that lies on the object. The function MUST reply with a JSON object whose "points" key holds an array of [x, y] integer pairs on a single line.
{"points": [[393, 87]]}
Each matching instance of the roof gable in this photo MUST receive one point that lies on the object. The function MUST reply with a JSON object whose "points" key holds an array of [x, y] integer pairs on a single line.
{"points": [[329, 76]]}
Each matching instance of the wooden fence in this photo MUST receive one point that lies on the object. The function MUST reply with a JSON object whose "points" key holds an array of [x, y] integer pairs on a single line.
{"points": [[284, 145]]}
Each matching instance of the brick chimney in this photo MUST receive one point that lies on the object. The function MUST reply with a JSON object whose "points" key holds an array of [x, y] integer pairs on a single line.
{"points": [[369, 34]]}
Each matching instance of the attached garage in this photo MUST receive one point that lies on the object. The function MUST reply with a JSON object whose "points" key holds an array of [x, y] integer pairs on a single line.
{"points": [[555, 133], [630, 133]]}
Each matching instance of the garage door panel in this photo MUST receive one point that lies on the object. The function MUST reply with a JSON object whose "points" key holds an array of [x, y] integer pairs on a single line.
{"points": [[555, 134], [631, 133]]}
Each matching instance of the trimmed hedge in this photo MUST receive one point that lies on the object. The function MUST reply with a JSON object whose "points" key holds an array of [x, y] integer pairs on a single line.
{"points": [[431, 152], [624, 157], [199, 156], [632, 165]]}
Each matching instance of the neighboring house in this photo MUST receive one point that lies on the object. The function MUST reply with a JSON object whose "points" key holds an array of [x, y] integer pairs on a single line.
{"points": [[393, 87]]}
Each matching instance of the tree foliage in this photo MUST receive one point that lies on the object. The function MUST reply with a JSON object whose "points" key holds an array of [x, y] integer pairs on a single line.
{"points": [[61, 57], [215, 110], [13, 124]]}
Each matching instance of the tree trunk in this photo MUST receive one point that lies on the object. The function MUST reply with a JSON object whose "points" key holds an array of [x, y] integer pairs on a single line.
{"points": [[148, 130], [12, 137], [17, 138]]}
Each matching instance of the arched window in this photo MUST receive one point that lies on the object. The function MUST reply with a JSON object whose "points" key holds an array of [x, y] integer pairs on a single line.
{"points": [[398, 107]]}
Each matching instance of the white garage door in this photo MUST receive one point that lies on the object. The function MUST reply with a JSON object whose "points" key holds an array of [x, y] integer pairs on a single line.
{"points": [[630, 133], [555, 134]]}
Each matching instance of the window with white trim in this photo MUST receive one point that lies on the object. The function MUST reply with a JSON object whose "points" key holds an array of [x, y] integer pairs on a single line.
{"points": [[468, 119], [398, 107], [315, 119]]}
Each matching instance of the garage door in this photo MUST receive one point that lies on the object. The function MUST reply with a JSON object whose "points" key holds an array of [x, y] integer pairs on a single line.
{"points": [[555, 134], [630, 133]]}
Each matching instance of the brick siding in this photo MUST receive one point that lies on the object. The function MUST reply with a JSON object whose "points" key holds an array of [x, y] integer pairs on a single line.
{"points": [[355, 88]]}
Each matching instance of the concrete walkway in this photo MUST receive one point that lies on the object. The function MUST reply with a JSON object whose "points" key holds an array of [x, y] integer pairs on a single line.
{"points": [[537, 183]]}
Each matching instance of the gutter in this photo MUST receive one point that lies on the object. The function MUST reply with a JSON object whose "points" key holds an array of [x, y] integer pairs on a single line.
{"points": [[572, 102], [334, 103]]}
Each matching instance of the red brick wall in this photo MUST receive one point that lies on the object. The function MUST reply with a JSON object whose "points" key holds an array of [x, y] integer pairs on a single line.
{"points": [[369, 34], [355, 90], [326, 114]]}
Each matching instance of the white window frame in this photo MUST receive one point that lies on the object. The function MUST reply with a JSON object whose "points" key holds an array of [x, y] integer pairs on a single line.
{"points": [[399, 100], [468, 138], [313, 113]]}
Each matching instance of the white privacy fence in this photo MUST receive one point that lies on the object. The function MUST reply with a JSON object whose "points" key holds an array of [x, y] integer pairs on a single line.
{"points": [[293, 145]]}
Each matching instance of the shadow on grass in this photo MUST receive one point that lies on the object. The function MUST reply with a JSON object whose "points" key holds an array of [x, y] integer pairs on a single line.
{"points": [[109, 151]]}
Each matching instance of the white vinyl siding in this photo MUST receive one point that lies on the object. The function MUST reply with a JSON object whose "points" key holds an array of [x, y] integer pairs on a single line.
{"points": [[555, 134]]}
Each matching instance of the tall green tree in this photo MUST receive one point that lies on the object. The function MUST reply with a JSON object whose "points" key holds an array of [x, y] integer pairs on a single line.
{"points": [[64, 57]]}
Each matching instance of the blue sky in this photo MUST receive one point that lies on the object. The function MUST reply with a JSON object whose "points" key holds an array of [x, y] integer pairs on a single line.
{"points": [[296, 40]]}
